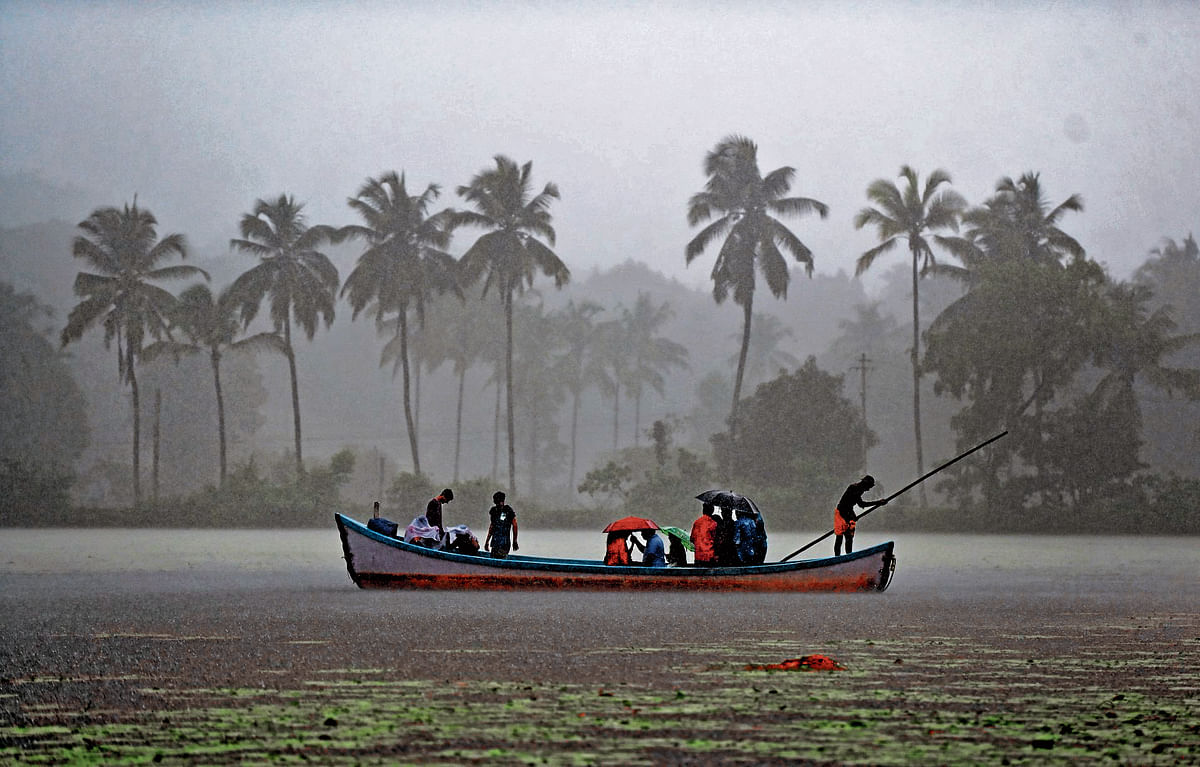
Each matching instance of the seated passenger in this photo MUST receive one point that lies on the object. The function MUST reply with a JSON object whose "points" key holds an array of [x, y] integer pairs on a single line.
{"points": [[617, 550], [420, 532], [704, 529], [461, 540], [676, 553], [653, 554], [723, 539], [760, 540], [745, 533]]}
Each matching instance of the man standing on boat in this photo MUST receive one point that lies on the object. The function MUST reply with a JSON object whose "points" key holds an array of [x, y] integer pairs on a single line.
{"points": [[844, 518], [433, 510], [502, 528]]}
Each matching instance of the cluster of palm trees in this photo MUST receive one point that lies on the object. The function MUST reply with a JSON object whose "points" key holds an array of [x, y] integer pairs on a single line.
{"points": [[404, 267]]}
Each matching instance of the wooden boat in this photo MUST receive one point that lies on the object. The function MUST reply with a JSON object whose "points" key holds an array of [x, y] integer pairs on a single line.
{"points": [[375, 560]]}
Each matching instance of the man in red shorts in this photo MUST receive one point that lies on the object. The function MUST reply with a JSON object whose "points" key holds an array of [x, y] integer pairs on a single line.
{"points": [[844, 518]]}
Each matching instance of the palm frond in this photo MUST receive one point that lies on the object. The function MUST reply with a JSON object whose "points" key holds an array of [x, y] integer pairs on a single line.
{"points": [[177, 272], [798, 206], [272, 342], [251, 247], [706, 236], [778, 182], [868, 258], [785, 237]]}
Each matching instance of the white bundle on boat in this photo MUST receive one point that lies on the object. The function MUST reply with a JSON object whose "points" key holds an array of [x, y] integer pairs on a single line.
{"points": [[420, 532]]}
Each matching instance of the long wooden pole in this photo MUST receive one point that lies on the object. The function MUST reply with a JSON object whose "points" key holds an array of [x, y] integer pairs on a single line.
{"points": [[906, 488]]}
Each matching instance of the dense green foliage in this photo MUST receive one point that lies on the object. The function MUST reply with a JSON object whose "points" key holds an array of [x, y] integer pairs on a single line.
{"points": [[1045, 345], [42, 412]]}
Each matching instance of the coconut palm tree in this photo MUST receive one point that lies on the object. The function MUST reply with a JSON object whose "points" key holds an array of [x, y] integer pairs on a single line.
{"points": [[578, 365], [123, 246], [403, 265], [465, 336], [613, 367], [910, 214], [538, 391], [742, 205], [298, 280], [650, 355], [510, 254], [1136, 342], [210, 324]]}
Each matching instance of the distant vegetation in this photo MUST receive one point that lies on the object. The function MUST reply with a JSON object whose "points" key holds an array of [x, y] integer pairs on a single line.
{"points": [[999, 320]]}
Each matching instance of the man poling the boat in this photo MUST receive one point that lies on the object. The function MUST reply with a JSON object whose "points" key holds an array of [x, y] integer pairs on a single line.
{"points": [[902, 490], [844, 518]]}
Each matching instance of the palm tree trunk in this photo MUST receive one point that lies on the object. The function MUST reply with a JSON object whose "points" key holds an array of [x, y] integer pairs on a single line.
{"points": [[747, 313], [533, 462], [574, 438], [616, 411], [508, 388], [417, 399], [216, 368], [496, 429], [291, 358], [137, 428], [462, 382], [156, 442], [402, 331], [637, 415], [916, 371]]}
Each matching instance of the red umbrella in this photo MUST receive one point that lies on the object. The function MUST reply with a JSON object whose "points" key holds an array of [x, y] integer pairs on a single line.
{"points": [[630, 524]]}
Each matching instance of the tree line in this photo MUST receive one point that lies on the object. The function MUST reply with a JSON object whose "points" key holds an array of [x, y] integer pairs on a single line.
{"points": [[1041, 340]]}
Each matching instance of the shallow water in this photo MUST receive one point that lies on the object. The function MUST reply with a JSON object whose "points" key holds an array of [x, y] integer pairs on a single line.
{"points": [[986, 649], [948, 565]]}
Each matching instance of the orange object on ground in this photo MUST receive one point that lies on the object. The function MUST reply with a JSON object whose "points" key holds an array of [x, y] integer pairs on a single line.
{"points": [[803, 663]]}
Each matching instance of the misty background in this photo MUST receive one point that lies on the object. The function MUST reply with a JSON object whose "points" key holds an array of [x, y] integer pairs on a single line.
{"points": [[199, 109]]}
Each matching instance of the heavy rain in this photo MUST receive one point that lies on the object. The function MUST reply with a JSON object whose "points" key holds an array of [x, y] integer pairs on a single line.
{"points": [[264, 264]]}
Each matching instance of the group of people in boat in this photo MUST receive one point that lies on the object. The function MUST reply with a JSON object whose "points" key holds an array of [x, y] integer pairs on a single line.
{"points": [[720, 537], [429, 530]]}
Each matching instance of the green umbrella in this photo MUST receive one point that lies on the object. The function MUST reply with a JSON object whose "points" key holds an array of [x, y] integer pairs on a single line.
{"points": [[682, 535]]}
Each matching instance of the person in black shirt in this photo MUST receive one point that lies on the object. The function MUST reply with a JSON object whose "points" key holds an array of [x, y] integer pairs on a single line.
{"points": [[433, 510], [723, 539], [502, 529], [844, 518]]}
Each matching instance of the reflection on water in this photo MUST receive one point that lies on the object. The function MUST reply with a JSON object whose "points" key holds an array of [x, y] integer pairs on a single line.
{"points": [[949, 560]]}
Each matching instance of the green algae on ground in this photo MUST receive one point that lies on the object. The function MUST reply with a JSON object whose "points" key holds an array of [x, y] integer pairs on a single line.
{"points": [[949, 701]]}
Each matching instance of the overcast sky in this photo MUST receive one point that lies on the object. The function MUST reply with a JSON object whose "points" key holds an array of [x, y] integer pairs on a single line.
{"points": [[200, 108]]}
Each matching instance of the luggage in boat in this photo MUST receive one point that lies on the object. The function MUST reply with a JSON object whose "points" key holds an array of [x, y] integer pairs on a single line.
{"points": [[383, 526]]}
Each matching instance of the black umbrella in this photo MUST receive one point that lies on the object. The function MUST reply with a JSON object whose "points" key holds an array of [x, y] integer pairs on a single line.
{"points": [[727, 499]]}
